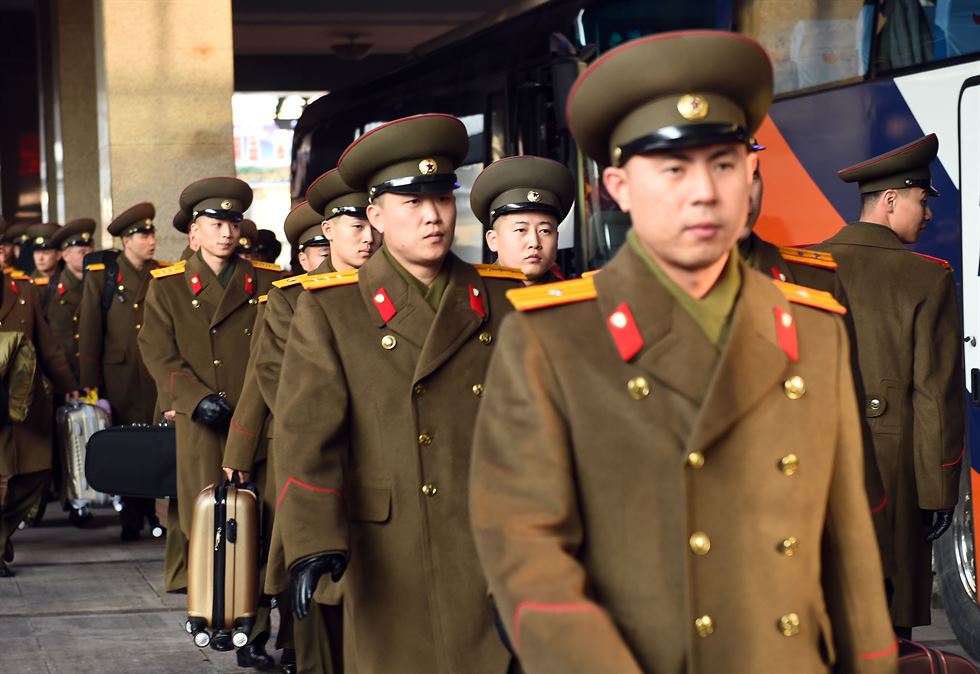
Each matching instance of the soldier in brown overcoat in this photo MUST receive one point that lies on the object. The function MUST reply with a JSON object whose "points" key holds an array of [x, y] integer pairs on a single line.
{"points": [[316, 643], [25, 447], [909, 353], [63, 296], [196, 333], [385, 373], [667, 470]]}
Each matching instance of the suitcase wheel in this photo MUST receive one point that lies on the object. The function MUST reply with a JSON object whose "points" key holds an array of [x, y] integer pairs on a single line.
{"points": [[239, 638], [158, 531], [201, 639]]}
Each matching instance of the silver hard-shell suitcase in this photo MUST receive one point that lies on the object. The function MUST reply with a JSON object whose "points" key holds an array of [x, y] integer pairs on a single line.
{"points": [[76, 423]]}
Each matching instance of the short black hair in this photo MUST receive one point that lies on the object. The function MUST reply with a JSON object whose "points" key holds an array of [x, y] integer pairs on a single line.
{"points": [[870, 199]]}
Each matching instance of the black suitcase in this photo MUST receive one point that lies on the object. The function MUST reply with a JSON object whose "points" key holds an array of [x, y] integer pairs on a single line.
{"points": [[138, 460]]}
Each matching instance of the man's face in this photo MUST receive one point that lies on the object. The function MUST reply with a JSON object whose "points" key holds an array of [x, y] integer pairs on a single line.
{"points": [[418, 228], [140, 246], [352, 241], [910, 214], [217, 237], [311, 257], [687, 205], [526, 240], [6, 254], [74, 256], [755, 203], [45, 261]]}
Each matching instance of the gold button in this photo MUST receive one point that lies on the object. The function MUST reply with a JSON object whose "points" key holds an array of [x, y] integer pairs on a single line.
{"points": [[388, 342], [195, 303], [789, 464], [253, 301], [700, 543], [478, 390], [485, 338], [429, 489], [122, 288], [638, 387], [75, 335], [216, 362], [23, 301], [425, 439], [794, 387], [418, 390], [789, 546], [136, 305], [139, 325], [704, 625], [248, 332], [789, 625], [61, 301], [695, 460], [74, 319]]}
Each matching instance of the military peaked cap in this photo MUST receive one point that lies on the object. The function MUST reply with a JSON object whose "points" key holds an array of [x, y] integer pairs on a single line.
{"points": [[330, 196], [135, 219], [182, 221], [522, 184], [16, 233], [671, 90], [907, 166], [413, 155], [266, 244], [76, 232], [40, 235], [303, 228], [247, 235], [221, 198]]}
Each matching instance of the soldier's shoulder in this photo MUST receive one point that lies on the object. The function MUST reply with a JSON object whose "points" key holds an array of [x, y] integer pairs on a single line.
{"points": [[821, 259], [263, 299], [934, 262], [95, 266], [18, 275], [500, 272], [161, 263], [291, 281], [167, 272], [267, 267], [810, 297], [334, 279], [40, 280], [549, 295]]}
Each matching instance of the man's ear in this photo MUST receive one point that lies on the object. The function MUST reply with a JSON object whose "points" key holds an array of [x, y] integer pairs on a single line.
{"points": [[327, 228], [617, 185], [890, 197], [375, 216], [491, 236], [752, 165]]}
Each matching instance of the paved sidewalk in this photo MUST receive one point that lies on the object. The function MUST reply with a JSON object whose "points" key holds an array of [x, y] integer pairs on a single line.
{"points": [[85, 603]]}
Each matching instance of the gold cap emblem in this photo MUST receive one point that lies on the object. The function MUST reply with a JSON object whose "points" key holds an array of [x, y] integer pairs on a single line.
{"points": [[243, 242], [428, 166], [692, 107], [86, 236], [534, 196], [617, 154], [38, 241], [225, 205]]}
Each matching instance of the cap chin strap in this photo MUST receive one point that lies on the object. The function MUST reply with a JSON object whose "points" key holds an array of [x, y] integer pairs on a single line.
{"points": [[691, 135], [319, 240], [433, 184], [218, 214], [924, 183]]}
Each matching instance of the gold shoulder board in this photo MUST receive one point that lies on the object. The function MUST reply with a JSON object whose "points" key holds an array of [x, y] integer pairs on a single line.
{"points": [[290, 280], [95, 266], [497, 271], [938, 260], [41, 281], [268, 266], [263, 299], [813, 258], [18, 275], [330, 279], [552, 294], [817, 299], [172, 270], [165, 264]]}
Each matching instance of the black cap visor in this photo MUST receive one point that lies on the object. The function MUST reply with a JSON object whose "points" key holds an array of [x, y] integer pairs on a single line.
{"points": [[438, 183], [673, 137], [218, 214]]}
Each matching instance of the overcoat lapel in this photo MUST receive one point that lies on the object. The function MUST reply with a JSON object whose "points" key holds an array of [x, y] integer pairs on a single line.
{"points": [[672, 341], [234, 294], [455, 321], [751, 364], [413, 316]]}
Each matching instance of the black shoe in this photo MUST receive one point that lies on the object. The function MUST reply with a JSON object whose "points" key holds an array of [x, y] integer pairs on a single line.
{"points": [[128, 534], [254, 655], [287, 663], [179, 590], [6, 571], [8, 551], [221, 641], [80, 517]]}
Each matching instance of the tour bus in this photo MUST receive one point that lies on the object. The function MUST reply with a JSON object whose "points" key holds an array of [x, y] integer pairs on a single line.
{"points": [[853, 79]]}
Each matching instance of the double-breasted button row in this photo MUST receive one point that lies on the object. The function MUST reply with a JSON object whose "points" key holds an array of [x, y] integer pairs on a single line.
{"points": [[788, 625]]}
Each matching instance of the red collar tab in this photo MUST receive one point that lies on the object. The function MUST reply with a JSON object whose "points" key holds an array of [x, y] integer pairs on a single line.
{"points": [[196, 285], [778, 275], [61, 288], [13, 286], [476, 301], [249, 284], [118, 277], [786, 334], [384, 305], [624, 332]]}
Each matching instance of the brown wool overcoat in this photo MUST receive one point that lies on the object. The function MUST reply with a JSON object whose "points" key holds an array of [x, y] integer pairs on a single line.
{"points": [[676, 509], [909, 353], [61, 299], [196, 344], [20, 311], [376, 404], [109, 356]]}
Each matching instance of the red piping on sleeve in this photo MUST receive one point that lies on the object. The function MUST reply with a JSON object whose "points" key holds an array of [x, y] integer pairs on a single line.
{"points": [[241, 430], [881, 506], [539, 607], [953, 463], [170, 385], [293, 480], [874, 655]]}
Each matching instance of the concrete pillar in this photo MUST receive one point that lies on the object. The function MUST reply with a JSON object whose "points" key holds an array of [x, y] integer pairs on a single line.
{"points": [[163, 79]]}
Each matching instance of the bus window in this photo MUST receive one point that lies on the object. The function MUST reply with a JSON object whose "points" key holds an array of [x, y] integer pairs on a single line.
{"points": [[811, 42], [609, 24], [915, 32]]}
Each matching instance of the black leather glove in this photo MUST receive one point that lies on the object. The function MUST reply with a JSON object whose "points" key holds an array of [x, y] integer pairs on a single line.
{"points": [[306, 573], [940, 524], [213, 411]]}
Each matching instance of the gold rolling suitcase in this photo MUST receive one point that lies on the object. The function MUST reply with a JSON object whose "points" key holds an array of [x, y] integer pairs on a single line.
{"points": [[223, 563]]}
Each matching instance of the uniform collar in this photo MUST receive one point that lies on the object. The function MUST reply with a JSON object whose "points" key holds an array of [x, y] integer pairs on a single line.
{"points": [[431, 293], [868, 234]]}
